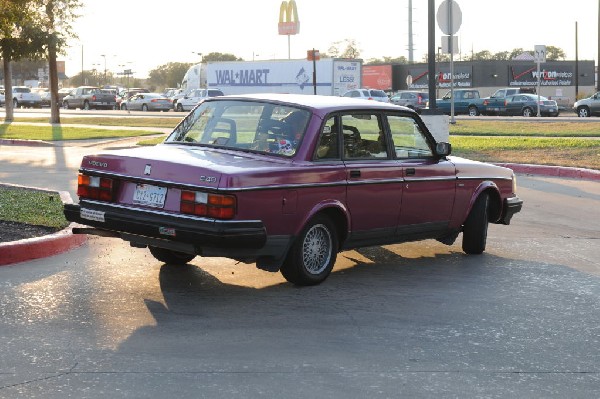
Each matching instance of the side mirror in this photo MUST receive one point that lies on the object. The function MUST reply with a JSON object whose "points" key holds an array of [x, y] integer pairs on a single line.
{"points": [[443, 149]]}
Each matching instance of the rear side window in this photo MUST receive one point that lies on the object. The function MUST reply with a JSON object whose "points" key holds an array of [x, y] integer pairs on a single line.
{"points": [[215, 93]]}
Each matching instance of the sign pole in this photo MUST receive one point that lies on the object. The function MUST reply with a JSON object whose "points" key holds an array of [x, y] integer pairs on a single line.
{"points": [[451, 48]]}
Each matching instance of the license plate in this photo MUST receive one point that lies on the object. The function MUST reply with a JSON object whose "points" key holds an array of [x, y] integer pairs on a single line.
{"points": [[148, 195]]}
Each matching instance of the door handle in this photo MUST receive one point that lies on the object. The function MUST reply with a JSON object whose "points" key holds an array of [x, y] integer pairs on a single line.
{"points": [[410, 171], [355, 173]]}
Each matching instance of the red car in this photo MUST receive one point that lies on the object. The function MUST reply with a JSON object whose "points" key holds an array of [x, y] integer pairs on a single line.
{"points": [[287, 181]]}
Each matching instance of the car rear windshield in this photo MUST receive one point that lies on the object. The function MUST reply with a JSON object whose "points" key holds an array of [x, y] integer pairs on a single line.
{"points": [[378, 93], [244, 125]]}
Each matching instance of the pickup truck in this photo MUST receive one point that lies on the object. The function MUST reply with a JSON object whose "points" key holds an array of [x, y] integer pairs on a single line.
{"points": [[89, 97], [22, 96], [466, 101], [496, 102]]}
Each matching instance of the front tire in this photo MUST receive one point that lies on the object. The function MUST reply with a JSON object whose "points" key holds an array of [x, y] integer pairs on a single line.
{"points": [[476, 227], [583, 112], [313, 254], [171, 257], [179, 107]]}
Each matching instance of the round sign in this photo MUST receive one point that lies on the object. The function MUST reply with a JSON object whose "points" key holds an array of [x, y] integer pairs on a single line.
{"points": [[449, 26], [409, 80]]}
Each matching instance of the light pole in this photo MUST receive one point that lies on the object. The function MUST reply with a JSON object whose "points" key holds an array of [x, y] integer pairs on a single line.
{"points": [[104, 55]]}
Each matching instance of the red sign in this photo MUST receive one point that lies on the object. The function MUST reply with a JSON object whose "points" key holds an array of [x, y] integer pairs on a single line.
{"points": [[377, 77]]}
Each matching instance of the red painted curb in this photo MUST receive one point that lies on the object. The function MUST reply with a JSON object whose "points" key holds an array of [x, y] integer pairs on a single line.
{"points": [[556, 171], [40, 247]]}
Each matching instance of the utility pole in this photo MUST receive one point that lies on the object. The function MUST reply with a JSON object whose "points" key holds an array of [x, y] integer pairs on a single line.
{"points": [[410, 33]]}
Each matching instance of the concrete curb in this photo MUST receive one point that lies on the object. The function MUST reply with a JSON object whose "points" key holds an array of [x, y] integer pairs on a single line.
{"points": [[40, 247], [44, 246], [554, 171]]}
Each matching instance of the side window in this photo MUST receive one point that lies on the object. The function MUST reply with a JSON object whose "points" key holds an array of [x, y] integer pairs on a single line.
{"points": [[408, 139], [328, 146], [363, 137]]}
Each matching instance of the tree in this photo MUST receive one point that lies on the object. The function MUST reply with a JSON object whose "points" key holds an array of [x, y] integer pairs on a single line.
{"points": [[555, 53], [55, 19], [168, 75], [350, 51], [13, 20], [210, 57]]}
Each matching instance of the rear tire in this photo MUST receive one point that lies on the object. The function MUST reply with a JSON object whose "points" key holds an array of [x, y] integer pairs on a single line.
{"points": [[144, 108], [171, 257], [313, 254], [473, 111], [179, 107], [476, 226], [528, 112], [86, 106]]}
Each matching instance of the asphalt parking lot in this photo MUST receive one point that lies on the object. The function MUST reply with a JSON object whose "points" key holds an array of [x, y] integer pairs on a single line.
{"points": [[416, 320]]}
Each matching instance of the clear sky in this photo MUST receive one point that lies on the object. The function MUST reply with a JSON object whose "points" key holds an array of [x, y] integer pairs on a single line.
{"points": [[142, 35]]}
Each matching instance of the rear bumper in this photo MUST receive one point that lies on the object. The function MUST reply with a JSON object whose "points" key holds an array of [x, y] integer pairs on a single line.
{"points": [[197, 232], [511, 206]]}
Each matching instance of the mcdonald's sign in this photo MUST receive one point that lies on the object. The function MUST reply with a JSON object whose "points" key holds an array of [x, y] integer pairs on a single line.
{"points": [[288, 18]]}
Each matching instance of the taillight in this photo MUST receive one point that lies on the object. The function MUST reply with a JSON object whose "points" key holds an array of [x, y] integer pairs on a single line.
{"points": [[505, 102], [204, 204], [94, 97], [419, 100], [154, 100], [95, 187]]}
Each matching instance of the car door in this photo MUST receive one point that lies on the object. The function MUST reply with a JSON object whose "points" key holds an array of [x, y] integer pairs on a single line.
{"points": [[374, 180], [595, 103], [429, 182]]}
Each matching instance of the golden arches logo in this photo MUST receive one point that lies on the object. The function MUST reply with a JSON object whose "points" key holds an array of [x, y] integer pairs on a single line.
{"points": [[288, 18]]}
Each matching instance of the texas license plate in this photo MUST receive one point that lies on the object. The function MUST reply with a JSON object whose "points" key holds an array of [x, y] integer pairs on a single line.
{"points": [[148, 195]]}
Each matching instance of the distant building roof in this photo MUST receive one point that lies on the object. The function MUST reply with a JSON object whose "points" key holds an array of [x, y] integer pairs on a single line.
{"points": [[524, 57]]}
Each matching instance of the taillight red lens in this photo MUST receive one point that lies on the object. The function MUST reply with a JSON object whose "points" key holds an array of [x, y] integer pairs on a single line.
{"points": [[212, 205], [95, 187]]}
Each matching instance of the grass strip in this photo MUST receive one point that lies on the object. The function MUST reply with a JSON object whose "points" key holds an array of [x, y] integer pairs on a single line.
{"points": [[494, 127], [111, 121], [41, 208], [571, 152], [56, 133]]}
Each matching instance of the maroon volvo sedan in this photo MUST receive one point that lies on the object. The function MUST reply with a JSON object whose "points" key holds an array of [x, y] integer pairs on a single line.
{"points": [[288, 181]]}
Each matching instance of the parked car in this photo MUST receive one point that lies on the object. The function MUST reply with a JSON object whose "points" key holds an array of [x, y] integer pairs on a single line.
{"points": [[124, 95], [287, 181], [89, 97], [44, 96], [147, 102], [22, 96], [416, 100], [62, 93], [2, 97], [187, 102], [466, 101], [527, 105], [368, 94], [588, 106]]}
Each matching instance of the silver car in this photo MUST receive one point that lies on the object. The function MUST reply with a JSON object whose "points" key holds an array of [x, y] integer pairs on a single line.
{"points": [[368, 94], [147, 102], [416, 100], [588, 106]]}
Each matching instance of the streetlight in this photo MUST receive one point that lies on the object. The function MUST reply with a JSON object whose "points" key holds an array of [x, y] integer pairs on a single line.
{"points": [[104, 55], [198, 54]]}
